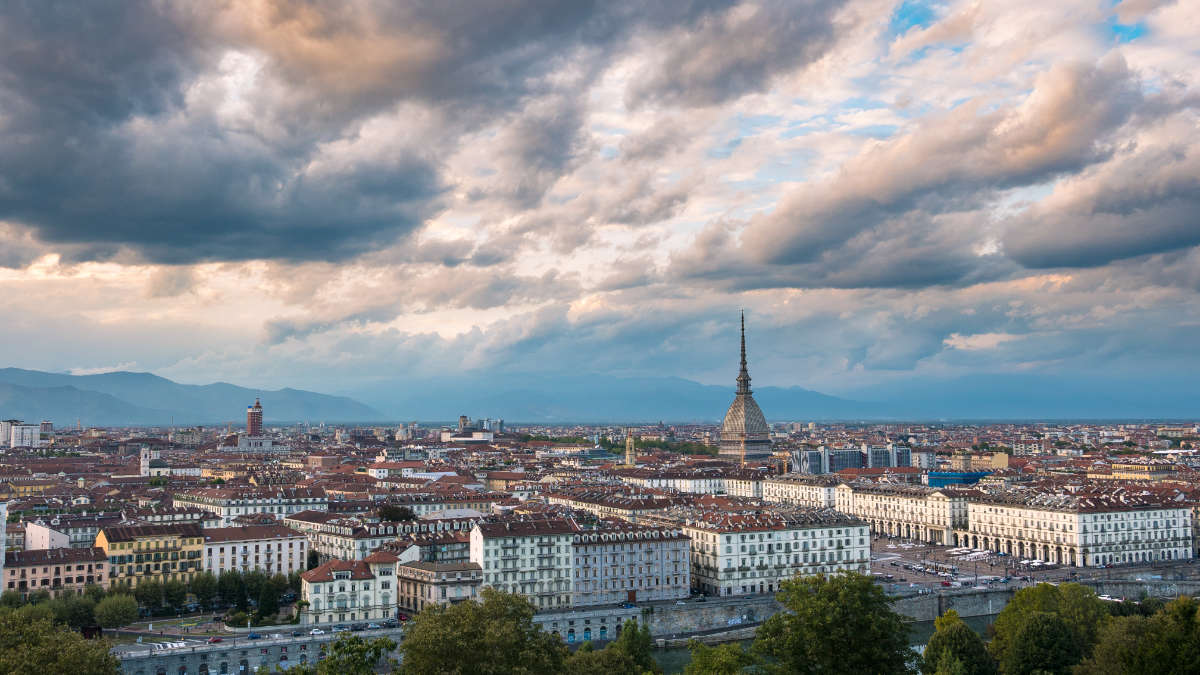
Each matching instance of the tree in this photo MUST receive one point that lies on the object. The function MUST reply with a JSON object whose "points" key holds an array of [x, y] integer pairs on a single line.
{"points": [[175, 593], [1045, 644], [730, 658], [631, 652], [391, 513], [496, 635], [1077, 605], [293, 580], [40, 647], [149, 594], [841, 623], [953, 639], [349, 655], [232, 589], [313, 561], [11, 599], [204, 586], [76, 611], [1166, 643], [116, 611], [268, 601], [95, 592], [254, 581]]}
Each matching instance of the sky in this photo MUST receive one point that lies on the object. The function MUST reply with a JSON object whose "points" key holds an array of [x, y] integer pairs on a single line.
{"points": [[329, 195]]}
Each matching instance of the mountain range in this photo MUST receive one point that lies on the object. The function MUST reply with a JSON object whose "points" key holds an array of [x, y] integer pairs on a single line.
{"points": [[128, 398]]}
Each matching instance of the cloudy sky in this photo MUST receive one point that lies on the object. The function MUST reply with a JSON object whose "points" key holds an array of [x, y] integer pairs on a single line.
{"points": [[327, 194]]}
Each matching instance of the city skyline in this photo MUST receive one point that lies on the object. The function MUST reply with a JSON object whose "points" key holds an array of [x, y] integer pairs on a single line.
{"points": [[894, 191]]}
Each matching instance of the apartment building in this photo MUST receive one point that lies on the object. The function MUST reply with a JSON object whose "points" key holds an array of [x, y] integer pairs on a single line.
{"points": [[229, 503], [799, 489], [61, 571], [606, 502], [1083, 530], [907, 511], [530, 557], [135, 553], [273, 549], [746, 553], [73, 530], [618, 562], [349, 590], [421, 584]]}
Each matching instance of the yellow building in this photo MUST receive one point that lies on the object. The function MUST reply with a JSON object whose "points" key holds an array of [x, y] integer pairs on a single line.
{"points": [[1147, 471], [168, 552]]}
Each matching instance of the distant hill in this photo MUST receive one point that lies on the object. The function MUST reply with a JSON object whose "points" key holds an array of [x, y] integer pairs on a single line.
{"points": [[122, 398], [594, 398]]}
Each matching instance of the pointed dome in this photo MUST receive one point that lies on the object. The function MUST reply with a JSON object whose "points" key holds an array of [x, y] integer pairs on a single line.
{"points": [[744, 433]]}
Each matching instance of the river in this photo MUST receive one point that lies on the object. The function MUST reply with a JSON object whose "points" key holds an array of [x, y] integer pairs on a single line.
{"points": [[673, 660]]}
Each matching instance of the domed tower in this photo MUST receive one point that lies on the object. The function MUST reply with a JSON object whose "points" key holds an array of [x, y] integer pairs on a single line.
{"points": [[744, 433]]}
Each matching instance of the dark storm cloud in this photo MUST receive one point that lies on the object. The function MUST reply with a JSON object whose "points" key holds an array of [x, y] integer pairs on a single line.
{"points": [[731, 54], [111, 145]]}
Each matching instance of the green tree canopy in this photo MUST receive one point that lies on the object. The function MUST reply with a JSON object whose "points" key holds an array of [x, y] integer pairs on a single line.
{"points": [[41, 647], [1082, 612], [175, 594], [1167, 643], [1044, 645], [730, 658], [116, 611], [205, 587], [954, 640], [490, 637], [149, 594], [834, 624]]}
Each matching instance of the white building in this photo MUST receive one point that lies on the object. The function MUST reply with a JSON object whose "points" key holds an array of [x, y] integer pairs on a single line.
{"points": [[813, 491], [746, 553], [228, 503], [530, 557], [349, 590], [1086, 530], [25, 436], [906, 511], [273, 549], [617, 562]]}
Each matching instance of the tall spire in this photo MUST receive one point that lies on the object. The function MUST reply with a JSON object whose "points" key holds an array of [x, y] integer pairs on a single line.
{"points": [[743, 378]]}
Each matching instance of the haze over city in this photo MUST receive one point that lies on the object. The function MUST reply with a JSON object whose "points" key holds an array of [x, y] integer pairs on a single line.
{"points": [[364, 197]]}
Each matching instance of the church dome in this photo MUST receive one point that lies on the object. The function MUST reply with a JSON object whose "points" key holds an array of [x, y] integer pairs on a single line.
{"points": [[744, 417], [744, 433]]}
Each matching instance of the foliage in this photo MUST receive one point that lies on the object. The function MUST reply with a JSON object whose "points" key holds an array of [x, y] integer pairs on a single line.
{"points": [[95, 592], [833, 624], [205, 587], [1081, 611], [11, 599], [631, 652], [76, 611], [953, 640], [254, 581], [1167, 642], [392, 513], [40, 647], [349, 655], [268, 601], [149, 594], [494, 636], [175, 594], [231, 587], [1044, 644], [116, 610], [314, 560], [730, 658]]}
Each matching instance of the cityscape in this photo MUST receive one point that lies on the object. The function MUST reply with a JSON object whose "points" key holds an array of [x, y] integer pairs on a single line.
{"points": [[559, 337]]}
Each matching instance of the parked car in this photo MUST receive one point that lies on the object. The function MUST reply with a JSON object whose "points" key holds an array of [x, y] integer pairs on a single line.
{"points": [[316, 631], [296, 633], [340, 628], [403, 617], [390, 623], [214, 640], [373, 626], [358, 626], [253, 636]]}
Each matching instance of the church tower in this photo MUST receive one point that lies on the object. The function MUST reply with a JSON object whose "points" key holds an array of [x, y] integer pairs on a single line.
{"points": [[744, 433], [630, 455]]}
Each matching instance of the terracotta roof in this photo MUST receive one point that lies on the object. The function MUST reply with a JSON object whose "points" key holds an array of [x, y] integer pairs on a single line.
{"points": [[215, 535], [132, 532], [54, 556], [358, 569]]}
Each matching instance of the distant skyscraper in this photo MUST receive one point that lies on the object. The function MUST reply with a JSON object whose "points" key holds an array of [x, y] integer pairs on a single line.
{"points": [[745, 434], [254, 419]]}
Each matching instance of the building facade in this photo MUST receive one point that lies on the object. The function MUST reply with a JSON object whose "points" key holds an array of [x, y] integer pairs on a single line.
{"points": [[273, 549], [617, 562], [229, 503], [425, 584], [349, 591], [60, 571], [748, 553], [158, 552], [530, 557]]}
